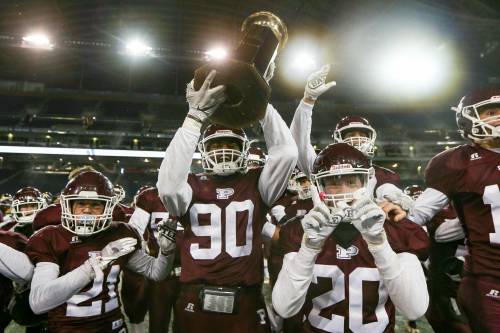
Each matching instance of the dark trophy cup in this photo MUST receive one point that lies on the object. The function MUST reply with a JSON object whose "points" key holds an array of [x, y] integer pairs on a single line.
{"points": [[263, 36]]}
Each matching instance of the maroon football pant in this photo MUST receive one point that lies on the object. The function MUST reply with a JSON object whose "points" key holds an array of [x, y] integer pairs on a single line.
{"points": [[479, 298], [162, 298], [134, 296], [250, 318]]}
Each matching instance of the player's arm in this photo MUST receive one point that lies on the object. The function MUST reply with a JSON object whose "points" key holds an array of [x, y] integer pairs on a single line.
{"points": [[290, 289], [15, 265], [49, 290], [282, 156], [302, 119], [157, 268], [139, 220], [427, 205], [398, 271], [172, 184]]}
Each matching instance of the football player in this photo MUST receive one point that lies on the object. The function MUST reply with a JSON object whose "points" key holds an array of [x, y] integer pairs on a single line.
{"points": [[77, 263], [444, 275], [160, 296], [468, 177], [353, 130], [26, 204], [256, 157], [222, 211], [5, 209], [344, 266], [51, 215], [14, 266]]}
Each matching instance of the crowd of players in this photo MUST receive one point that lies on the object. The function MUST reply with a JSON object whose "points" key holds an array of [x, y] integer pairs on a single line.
{"points": [[345, 246]]}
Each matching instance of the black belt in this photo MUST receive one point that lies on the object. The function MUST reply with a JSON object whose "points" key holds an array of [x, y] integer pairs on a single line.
{"points": [[197, 287]]}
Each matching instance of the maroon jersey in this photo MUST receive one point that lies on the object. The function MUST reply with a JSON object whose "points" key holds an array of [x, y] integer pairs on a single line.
{"points": [[346, 293], [386, 176], [222, 242], [442, 315], [97, 306], [470, 175], [51, 215], [18, 242], [293, 205]]}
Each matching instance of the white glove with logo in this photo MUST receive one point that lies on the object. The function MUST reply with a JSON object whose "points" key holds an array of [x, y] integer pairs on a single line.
{"points": [[166, 236], [115, 250], [204, 102], [316, 83], [320, 222], [368, 218]]}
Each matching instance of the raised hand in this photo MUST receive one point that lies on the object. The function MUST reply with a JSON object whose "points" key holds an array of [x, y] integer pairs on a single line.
{"points": [[316, 84], [166, 232], [319, 223], [368, 218], [204, 102]]}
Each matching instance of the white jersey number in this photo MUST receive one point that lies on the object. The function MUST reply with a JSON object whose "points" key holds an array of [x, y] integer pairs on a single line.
{"points": [[95, 308], [214, 229], [491, 197], [337, 294]]}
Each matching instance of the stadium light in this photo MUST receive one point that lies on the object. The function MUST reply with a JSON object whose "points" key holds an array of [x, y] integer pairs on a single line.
{"points": [[216, 53], [38, 40], [413, 68], [138, 48], [299, 59]]}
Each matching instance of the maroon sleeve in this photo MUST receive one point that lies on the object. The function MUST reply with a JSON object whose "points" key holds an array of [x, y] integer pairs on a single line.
{"points": [[291, 236], [39, 247], [406, 236], [14, 240], [445, 171], [50, 215]]}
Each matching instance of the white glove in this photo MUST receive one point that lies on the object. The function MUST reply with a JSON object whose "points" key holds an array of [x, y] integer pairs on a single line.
{"points": [[320, 222], [368, 218], [115, 250], [401, 199], [204, 102], [448, 231], [316, 83], [268, 75], [166, 236]]}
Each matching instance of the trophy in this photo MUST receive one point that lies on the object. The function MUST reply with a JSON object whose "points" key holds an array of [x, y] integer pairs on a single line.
{"points": [[263, 36]]}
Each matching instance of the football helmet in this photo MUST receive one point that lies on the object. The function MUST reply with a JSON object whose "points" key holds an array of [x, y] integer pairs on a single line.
{"points": [[339, 162], [351, 123], [413, 191], [296, 184], [5, 203], [256, 157], [222, 161], [27, 197], [139, 191], [87, 185], [120, 192], [468, 111]]}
